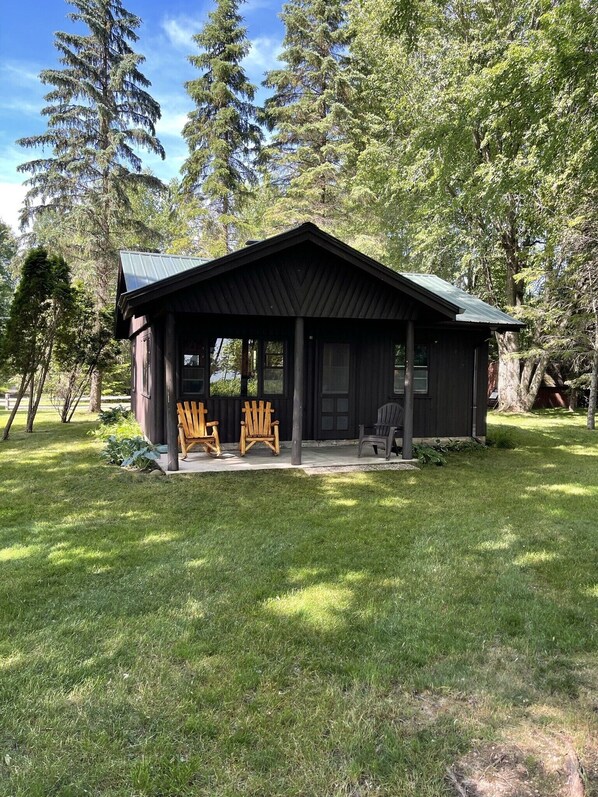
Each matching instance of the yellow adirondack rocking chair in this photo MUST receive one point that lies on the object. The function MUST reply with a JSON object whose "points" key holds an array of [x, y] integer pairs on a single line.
{"points": [[193, 428], [258, 427]]}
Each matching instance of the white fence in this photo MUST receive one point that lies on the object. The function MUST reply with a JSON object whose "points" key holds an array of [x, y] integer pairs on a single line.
{"points": [[8, 402]]}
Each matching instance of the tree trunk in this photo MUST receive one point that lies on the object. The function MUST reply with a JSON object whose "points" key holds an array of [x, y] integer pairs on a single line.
{"points": [[22, 390], [509, 372], [591, 419], [95, 391]]}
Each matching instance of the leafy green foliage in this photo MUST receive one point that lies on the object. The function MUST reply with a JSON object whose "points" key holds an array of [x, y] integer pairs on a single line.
{"points": [[114, 415], [435, 454], [310, 113], [99, 114], [130, 452], [8, 250], [40, 307], [221, 132]]}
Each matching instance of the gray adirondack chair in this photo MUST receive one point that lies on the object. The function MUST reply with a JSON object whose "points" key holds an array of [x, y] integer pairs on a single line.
{"points": [[384, 431]]}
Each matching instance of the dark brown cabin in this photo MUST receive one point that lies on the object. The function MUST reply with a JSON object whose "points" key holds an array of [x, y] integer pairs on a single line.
{"points": [[322, 331]]}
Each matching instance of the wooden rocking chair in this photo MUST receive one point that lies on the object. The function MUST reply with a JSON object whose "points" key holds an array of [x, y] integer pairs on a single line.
{"points": [[193, 429], [258, 427]]}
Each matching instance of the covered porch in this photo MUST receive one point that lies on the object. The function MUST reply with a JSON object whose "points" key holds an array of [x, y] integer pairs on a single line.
{"points": [[316, 458]]}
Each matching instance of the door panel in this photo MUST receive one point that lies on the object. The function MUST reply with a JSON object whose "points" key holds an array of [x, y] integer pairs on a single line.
{"points": [[335, 404]]}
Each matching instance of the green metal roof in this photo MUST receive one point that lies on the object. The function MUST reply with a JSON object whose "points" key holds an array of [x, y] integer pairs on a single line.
{"points": [[145, 268], [474, 310], [141, 269]]}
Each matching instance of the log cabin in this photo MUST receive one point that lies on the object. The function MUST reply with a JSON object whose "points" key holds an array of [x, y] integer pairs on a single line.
{"points": [[324, 332]]}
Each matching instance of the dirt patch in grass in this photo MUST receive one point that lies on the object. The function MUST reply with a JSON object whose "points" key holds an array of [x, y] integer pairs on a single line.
{"points": [[542, 765]]}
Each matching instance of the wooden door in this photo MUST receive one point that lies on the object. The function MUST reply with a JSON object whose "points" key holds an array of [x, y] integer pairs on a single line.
{"points": [[335, 411]]}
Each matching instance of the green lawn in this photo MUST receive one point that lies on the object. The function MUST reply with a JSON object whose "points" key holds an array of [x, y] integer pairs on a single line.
{"points": [[282, 634]]}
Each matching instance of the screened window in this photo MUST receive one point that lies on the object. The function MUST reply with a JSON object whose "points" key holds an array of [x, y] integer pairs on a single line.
{"points": [[194, 369], [273, 374], [233, 367], [335, 368], [420, 368]]}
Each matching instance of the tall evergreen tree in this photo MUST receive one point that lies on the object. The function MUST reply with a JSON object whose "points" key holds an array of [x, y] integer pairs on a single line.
{"points": [[8, 249], [309, 111], [99, 114], [39, 307], [221, 132]]}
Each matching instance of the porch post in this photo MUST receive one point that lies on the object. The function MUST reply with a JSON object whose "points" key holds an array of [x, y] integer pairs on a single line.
{"points": [[170, 380], [408, 419], [298, 394]]}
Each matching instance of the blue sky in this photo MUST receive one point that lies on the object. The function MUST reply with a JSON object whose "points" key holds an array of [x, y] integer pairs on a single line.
{"points": [[26, 47]]}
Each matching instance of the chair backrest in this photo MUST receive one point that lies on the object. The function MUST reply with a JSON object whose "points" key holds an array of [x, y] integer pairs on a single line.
{"points": [[192, 417], [389, 415], [258, 418]]}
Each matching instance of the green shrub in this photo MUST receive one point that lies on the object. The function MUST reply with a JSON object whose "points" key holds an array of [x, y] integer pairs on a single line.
{"points": [[428, 455], [501, 438], [435, 454], [130, 452], [114, 415], [125, 427]]}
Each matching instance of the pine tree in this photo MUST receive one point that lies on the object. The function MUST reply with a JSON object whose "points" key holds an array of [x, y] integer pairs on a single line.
{"points": [[221, 132], [99, 114], [309, 112], [38, 309]]}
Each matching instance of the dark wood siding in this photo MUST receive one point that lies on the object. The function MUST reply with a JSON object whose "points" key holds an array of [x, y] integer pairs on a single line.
{"points": [[306, 281]]}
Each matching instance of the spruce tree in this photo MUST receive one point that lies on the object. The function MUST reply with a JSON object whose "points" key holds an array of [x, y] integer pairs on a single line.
{"points": [[99, 114], [221, 132], [309, 112]]}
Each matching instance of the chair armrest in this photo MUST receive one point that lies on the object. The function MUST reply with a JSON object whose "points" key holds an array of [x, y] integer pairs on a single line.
{"points": [[275, 423], [212, 423], [242, 423]]}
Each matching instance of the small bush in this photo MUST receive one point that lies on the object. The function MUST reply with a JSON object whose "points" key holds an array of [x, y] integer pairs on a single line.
{"points": [[114, 415], [130, 452], [125, 427], [501, 438], [428, 455], [435, 454]]}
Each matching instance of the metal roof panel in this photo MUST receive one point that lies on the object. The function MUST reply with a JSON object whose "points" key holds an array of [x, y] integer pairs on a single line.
{"points": [[141, 269], [474, 310]]}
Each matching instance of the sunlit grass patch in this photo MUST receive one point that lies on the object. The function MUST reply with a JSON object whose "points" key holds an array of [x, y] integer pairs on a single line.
{"points": [[273, 634]]}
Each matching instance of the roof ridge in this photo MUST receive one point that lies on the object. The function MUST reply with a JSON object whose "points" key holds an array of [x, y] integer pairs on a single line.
{"points": [[162, 254]]}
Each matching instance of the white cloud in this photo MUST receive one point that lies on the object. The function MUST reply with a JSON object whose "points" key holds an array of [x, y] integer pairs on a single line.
{"points": [[171, 124], [181, 30], [263, 54], [11, 199], [21, 73]]}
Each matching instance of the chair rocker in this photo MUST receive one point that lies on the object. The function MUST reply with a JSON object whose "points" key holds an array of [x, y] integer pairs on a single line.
{"points": [[194, 430], [384, 431], [258, 427]]}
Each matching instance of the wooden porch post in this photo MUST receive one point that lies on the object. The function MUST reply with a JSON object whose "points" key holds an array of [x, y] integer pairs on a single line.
{"points": [[298, 393], [408, 419], [170, 380]]}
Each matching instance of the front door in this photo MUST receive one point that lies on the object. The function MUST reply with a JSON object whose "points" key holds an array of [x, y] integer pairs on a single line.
{"points": [[335, 412]]}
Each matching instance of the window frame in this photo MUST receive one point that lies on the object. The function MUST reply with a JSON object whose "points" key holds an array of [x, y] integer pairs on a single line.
{"points": [[260, 370], [146, 366], [422, 393], [187, 344]]}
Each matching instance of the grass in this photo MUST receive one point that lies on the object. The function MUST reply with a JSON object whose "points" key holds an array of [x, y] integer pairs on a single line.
{"points": [[282, 634]]}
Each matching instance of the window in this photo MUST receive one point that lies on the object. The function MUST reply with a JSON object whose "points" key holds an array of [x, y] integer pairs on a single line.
{"points": [[420, 368], [233, 367], [273, 373], [146, 353], [194, 368], [335, 367]]}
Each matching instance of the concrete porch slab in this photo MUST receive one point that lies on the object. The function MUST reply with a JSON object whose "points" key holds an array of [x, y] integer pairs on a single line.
{"points": [[320, 460]]}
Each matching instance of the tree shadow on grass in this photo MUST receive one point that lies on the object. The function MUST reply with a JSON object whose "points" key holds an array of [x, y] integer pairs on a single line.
{"points": [[349, 634]]}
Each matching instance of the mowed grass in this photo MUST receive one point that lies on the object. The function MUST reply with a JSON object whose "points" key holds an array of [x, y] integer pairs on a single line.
{"points": [[283, 634]]}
